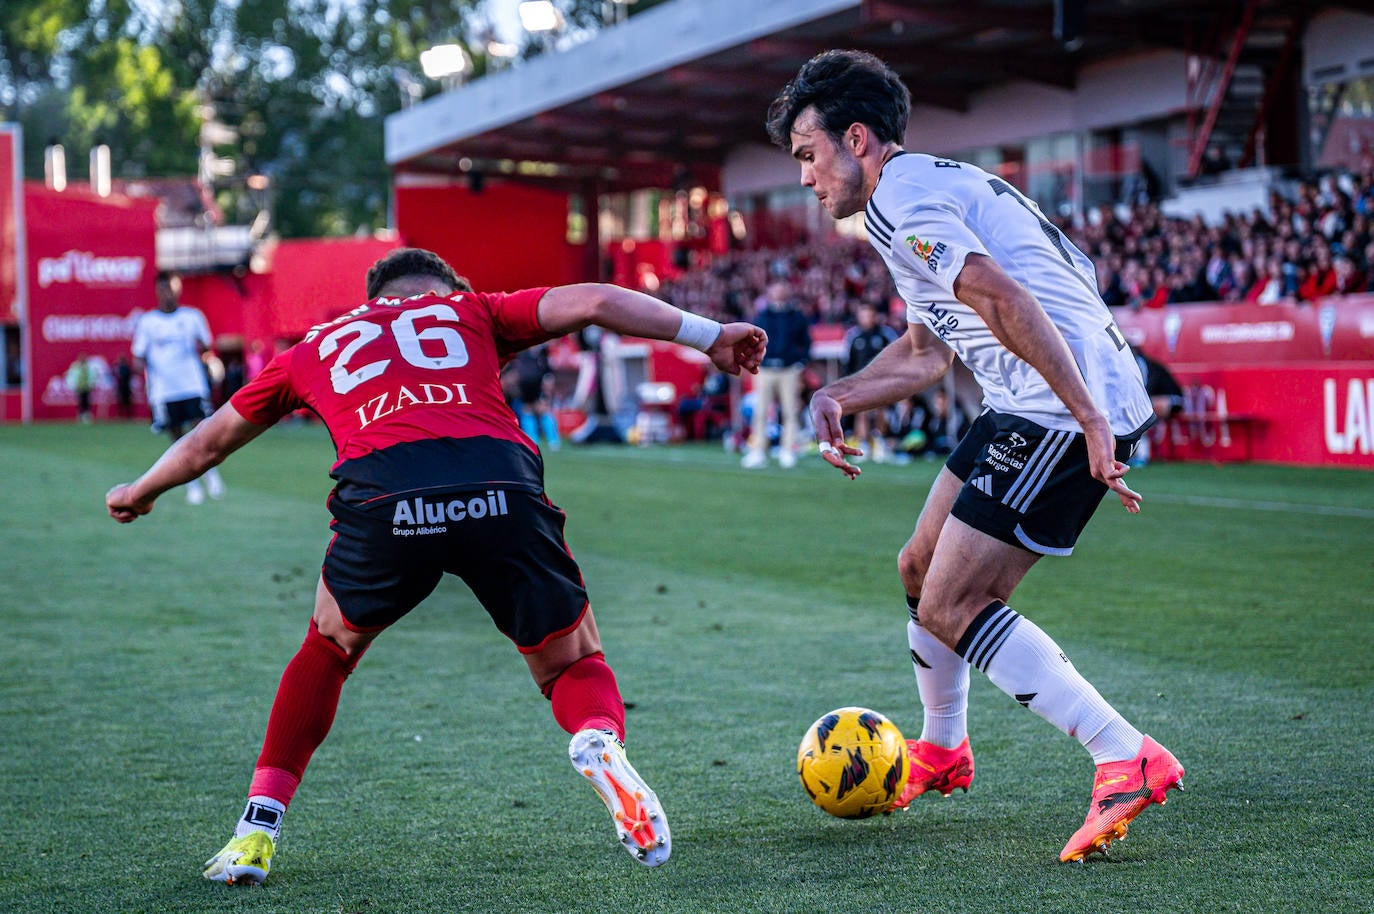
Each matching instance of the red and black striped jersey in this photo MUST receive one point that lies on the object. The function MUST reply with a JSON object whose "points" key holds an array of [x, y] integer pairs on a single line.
{"points": [[410, 391]]}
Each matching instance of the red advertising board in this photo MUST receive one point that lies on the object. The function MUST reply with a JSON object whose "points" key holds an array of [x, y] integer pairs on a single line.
{"points": [[92, 262], [1289, 383], [1336, 329], [1307, 414], [11, 276], [11, 220]]}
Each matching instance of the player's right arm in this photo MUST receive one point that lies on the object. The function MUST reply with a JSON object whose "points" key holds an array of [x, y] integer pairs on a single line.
{"points": [[905, 368], [567, 309], [204, 447]]}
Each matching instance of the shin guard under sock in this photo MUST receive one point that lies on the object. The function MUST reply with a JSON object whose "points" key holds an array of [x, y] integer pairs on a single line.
{"points": [[302, 714], [942, 679], [585, 695], [1028, 665]]}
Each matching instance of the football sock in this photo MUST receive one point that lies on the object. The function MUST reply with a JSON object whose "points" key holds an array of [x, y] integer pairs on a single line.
{"points": [[942, 680], [585, 695], [261, 814], [1024, 662], [303, 712]]}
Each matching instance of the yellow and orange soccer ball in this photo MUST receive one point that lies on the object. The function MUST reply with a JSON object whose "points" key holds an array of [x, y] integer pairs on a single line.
{"points": [[852, 763]]}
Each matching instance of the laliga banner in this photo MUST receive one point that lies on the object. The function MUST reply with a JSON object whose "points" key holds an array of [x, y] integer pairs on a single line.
{"points": [[1304, 413], [92, 263]]}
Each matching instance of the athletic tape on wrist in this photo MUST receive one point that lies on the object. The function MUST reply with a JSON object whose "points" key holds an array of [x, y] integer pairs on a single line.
{"points": [[697, 331]]}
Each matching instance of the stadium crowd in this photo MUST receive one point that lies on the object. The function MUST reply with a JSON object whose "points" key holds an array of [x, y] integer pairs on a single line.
{"points": [[1312, 244]]}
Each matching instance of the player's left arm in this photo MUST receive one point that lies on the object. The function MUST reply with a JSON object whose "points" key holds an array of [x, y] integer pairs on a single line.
{"points": [[203, 447], [1019, 322], [732, 347]]}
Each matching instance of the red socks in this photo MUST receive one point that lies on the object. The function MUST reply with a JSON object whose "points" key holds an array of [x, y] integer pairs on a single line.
{"points": [[585, 695], [301, 715]]}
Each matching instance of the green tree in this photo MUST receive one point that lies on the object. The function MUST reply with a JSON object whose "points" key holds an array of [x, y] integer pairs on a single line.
{"points": [[303, 87]]}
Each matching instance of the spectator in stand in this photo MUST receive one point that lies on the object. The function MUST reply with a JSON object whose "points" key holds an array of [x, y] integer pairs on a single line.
{"points": [[779, 377], [1268, 289], [1349, 280], [1158, 294], [1321, 278]]}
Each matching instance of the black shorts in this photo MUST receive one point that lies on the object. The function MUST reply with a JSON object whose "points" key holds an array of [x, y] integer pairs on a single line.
{"points": [[506, 544], [1025, 484], [180, 413]]}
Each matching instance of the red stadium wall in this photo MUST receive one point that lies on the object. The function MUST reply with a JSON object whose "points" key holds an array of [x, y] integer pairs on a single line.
{"points": [[91, 266], [503, 238], [303, 283], [1290, 384]]}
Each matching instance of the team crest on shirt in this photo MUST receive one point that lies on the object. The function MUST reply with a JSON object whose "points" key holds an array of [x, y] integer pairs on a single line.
{"points": [[929, 251]]}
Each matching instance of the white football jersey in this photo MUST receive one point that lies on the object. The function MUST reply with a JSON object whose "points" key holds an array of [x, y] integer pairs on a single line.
{"points": [[170, 345], [928, 214]]}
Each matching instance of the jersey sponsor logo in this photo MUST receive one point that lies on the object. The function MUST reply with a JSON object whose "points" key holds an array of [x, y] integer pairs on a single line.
{"points": [[393, 401], [1001, 459], [422, 516], [941, 321], [929, 251]]}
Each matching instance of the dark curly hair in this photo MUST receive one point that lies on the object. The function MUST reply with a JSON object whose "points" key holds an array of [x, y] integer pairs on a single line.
{"points": [[412, 262], [845, 87]]}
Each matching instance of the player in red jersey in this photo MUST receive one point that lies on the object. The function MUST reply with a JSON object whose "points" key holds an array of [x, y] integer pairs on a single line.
{"points": [[434, 476]]}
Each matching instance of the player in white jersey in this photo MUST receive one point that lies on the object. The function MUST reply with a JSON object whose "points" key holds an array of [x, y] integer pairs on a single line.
{"points": [[986, 277], [168, 345]]}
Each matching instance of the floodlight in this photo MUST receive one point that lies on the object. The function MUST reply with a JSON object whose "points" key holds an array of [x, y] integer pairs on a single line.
{"points": [[445, 60], [540, 16]]}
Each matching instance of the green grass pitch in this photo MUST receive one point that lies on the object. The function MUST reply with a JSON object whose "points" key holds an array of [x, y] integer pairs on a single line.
{"points": [[1232, 620]]}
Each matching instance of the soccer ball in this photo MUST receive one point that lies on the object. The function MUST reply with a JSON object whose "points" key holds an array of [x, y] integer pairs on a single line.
{"points": [[852, 763]]}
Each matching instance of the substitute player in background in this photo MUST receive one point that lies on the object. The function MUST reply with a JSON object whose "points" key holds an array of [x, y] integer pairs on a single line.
{"points": [[987, 277], [434, 475], [168, 345]]}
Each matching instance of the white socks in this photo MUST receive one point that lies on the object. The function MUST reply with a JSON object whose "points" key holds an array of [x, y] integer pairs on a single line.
{"points": [[261, 814], [1024, 662], [942, 680]]}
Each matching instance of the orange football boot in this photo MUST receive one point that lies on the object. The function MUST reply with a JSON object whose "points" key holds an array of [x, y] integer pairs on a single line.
{"points": [[934, 767], [1121, 791]]}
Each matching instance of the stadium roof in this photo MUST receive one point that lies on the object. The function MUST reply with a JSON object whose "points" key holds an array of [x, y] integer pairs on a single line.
{"points": [[670, 92]]}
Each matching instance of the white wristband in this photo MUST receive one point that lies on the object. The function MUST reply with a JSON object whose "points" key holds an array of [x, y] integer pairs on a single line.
{"points": [[697, 331]]}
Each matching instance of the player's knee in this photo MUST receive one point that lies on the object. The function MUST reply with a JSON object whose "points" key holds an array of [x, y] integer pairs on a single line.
{"points": [[945, 617], [348, 650], [551, 659], [912, 565], [547, 670]]}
